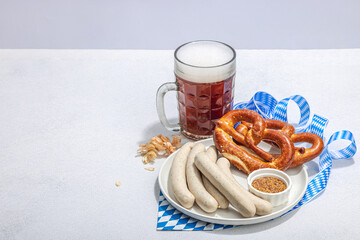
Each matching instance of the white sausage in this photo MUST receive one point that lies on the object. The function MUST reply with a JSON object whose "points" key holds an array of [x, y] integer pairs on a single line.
{"points": [[178, 177], [212, 172], [205, 201], [222, 201], [212, 153], [262, 206]]}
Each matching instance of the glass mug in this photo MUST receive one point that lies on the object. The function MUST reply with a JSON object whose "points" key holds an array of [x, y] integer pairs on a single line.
{"points": [[205, 78]]}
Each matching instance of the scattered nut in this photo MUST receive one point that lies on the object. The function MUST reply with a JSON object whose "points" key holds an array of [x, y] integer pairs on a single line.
{"points": [[117, 183], [176, 141], [150, 151], [169, 148], [150, 169], [149, 157]]}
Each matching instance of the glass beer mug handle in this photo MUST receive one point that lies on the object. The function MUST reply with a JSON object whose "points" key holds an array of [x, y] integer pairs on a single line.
{"points": [[163, 89]]}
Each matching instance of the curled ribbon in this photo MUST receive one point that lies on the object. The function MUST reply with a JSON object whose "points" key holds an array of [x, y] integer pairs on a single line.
{"points": [[319, 182], [267, 106]]}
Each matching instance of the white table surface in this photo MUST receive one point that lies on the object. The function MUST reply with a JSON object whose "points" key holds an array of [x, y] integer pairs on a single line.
{"points": [[71, 122]]}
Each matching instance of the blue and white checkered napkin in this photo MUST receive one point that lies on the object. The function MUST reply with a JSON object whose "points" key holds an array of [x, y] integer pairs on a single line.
{"points": [[267, 106]]}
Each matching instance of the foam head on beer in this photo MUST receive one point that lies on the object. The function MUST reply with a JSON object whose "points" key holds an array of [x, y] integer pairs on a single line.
{"points": [[205, 62]]}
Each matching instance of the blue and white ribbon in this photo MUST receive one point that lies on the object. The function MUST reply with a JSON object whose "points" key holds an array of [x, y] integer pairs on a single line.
{"points": [[268, 107], [319, 182]]}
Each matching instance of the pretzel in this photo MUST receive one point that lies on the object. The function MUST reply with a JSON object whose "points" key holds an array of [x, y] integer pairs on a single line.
{"points": [[226, 139], [253, 136], [302, 155]]}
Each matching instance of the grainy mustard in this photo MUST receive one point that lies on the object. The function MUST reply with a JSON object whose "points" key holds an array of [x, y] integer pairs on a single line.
{"points": [[269, 184]]}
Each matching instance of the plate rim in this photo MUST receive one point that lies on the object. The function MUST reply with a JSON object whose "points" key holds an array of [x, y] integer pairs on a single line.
{"points": [[230, 221]]}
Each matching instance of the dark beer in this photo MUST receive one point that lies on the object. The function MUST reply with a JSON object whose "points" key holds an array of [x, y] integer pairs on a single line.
{"points": [[201, 103]]}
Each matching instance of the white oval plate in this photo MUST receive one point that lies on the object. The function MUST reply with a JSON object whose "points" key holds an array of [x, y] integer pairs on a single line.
{"points": [[230, 216]]}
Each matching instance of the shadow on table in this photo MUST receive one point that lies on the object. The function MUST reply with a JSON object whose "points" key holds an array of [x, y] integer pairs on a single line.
{"points": [[157, 190], [313, 167], [254, 228], [341, 163]]}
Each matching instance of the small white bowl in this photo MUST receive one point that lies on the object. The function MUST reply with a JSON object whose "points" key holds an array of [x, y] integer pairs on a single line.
{"points": [[275, 199]]}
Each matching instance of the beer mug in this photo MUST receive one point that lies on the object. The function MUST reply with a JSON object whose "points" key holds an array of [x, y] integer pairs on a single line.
{"points": [[205, 78]]}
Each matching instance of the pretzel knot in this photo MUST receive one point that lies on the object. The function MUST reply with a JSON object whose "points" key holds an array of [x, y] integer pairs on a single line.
{"points": [[232, 143], [302, 155]]}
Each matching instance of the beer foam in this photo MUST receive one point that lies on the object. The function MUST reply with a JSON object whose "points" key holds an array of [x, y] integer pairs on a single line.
{"points": [[205, 62]]}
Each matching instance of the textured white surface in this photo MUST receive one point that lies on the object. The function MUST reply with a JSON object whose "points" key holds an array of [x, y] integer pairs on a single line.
{"points": [[71, 122]]}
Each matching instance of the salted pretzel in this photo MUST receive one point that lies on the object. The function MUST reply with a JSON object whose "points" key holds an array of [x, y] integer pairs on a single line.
{"points": [[253, 136], [302, 155], [228, 141]]}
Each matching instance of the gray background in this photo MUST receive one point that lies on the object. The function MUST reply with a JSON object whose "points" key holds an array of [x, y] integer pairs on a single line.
{"points": [[163, 24]]}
